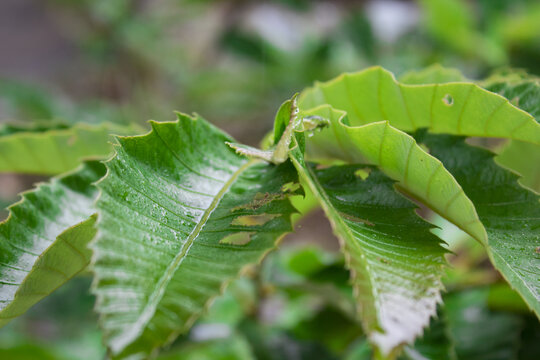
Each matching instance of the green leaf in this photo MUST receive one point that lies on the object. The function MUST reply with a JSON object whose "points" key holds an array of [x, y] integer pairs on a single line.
{"points": [[436, 343], [510, 213], [524, 159], [37, 126], [396, 263], [466, 109], [330, 327], [419, 174], [434, 74], [502, 297], [269, 344], [526, 95], [55, 150], [530, 347], [478, 332], [168, 207], [28, 101], [232, 348], [283, 130], [37, 253], [452, 23], [30, 351]]}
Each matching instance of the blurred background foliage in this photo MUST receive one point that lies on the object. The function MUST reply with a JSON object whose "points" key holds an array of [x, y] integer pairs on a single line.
{"points": [[234, 62]]}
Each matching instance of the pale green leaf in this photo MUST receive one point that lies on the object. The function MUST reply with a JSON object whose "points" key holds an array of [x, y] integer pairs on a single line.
{"points": [[519, 156], [510, 213], [37, 253], [169, 200], [434, 74], [418, 173], [55, 150], [465, 109], [524, 159]]}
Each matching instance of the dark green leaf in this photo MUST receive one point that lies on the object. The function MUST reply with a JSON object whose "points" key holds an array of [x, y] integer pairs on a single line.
{"points": [[479, 333], [436, 343], [396, 264], [37, 253], [510, 213], [417, 173], [180, 214]]}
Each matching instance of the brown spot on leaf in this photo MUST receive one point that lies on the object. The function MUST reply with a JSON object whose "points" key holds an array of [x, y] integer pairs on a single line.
{"points": [[356, 219], [253, 220], [259, 200], [241, 238]]}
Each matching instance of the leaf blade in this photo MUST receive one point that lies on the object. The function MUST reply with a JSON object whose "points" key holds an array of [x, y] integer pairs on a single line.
{"points": [[56, 150], [419, 174], [35, 241], [376, 258], [526, 95], [510, 213], [169, 199], [465, 109]]}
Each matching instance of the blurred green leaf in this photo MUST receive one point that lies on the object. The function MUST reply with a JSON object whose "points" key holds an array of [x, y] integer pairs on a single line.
{"points": [[510, 212], [525, 94], [436, 342], [30, 351], [331, 328], [502, 297], [478, 332], [233, 348], [268, 344], [434, 74], [26, 101], [44, 239], [54, 151]]}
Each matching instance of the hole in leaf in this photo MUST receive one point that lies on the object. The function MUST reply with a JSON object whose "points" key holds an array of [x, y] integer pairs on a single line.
{"points": [[362, 173], [290, 187], [448, 100], [424, 147]]}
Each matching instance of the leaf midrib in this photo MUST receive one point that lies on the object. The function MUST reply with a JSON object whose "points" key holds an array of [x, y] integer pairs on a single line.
{"points": [[124, 339]]}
